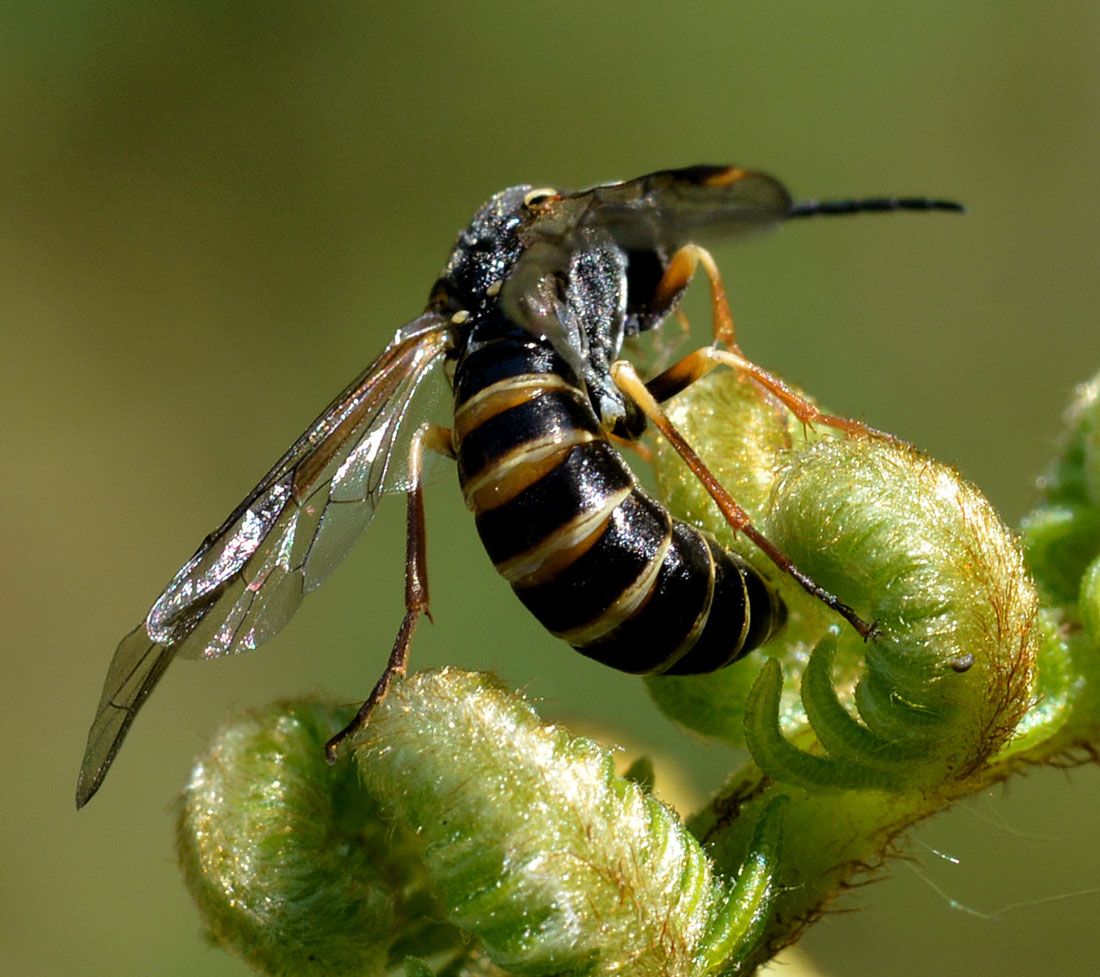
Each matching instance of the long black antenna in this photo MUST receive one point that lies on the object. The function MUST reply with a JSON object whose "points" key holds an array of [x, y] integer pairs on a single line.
{"points": [[838, 208]]}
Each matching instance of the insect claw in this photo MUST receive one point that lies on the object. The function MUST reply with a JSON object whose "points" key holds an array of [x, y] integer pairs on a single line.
{"points": [[868, 632], [332, 747]]}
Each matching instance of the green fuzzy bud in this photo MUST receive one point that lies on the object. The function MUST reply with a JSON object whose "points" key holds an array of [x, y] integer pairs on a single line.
{"points": [[861, 738], [556, 865], [920, 551], [461, 805], [907, 543], [288, 859], [1062, 538], [1062, 535]]}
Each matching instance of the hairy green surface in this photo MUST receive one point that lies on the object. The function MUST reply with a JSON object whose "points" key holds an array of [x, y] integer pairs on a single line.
{"points": [[293, 866], [557, 865]]}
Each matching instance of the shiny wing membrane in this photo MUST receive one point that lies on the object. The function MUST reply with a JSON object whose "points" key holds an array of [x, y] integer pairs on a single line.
{"points": [[669, 208], [248, 577]]}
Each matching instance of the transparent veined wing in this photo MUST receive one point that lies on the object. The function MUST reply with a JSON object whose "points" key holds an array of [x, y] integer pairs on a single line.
{"points": [[666, 209], [248, 577]]}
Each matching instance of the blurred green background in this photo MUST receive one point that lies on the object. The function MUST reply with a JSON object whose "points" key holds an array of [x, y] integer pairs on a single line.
{"points": [[212, 214]]}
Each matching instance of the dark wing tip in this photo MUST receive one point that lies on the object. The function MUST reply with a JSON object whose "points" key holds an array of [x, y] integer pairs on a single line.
{"points": [[86, 791], [137, 666], [97, 761]]}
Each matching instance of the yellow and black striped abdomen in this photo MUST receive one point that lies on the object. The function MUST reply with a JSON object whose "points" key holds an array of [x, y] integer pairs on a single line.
{"points": [[601, 564]]}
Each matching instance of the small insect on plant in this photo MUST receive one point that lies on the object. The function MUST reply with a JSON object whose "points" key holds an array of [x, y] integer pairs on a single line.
{"points": [[530, 315]]}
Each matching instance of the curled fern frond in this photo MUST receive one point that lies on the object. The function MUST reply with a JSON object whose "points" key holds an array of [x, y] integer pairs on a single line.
{"points": [[1062, 541], [864, 739], [920, 551], [291, 863], [910, 545], [466, 831], [538, 850]]}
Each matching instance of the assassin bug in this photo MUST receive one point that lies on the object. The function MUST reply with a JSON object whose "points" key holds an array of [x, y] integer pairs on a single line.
{"points": [[530, 313]]}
